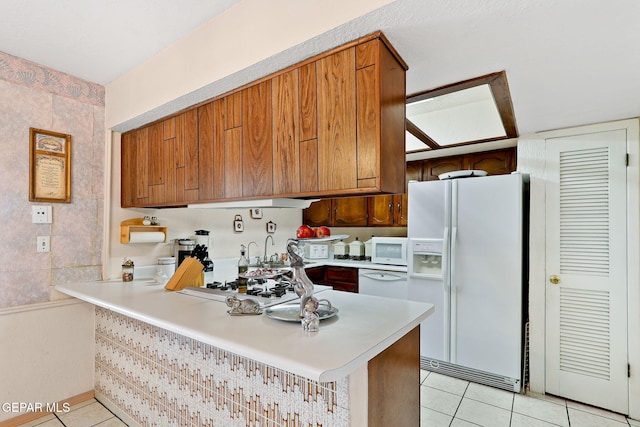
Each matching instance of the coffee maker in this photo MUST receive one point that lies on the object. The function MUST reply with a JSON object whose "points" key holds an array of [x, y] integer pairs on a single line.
{"points": [[183, 249], [203, 241]]}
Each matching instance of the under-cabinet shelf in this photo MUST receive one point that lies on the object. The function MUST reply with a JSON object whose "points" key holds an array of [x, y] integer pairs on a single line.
{"points": [[141, 233]]}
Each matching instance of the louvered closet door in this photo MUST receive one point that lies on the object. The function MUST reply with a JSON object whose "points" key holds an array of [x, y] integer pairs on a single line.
{"points": [[586, 313]]}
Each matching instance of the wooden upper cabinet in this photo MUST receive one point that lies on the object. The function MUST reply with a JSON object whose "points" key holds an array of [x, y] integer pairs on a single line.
{"points": [[332, 125], [168, 163], [392, 210], [191, 156], [495, 162], [257, 144], [318, 213], [381, 211], [349, 211], [286, 143], [342, 212], [434, 167], [308, 128], [337, 152], [128, 173], [219, 163]]}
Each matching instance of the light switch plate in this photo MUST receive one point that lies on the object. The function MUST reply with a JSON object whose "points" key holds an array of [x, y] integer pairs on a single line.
{"points": [[41, 214], [43, 243]]}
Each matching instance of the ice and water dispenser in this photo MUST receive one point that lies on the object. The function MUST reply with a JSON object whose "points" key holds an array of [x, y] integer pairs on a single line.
{"points": [[426, 258]]}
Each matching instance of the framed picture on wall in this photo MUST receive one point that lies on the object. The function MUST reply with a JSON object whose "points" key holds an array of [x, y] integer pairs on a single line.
{"points": [[49, 166]]}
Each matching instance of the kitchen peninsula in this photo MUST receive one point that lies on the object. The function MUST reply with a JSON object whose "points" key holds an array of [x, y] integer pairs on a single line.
{"points": [[166, 358]]}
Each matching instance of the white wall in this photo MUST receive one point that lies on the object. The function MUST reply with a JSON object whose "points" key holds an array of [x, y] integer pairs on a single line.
{"points": [[47, 352]]}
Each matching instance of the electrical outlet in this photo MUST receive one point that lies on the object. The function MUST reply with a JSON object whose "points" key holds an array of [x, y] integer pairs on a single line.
{"points": [[41, 214], [43, 243]]}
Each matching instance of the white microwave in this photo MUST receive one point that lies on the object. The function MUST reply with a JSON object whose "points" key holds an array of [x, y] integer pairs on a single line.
{"points": [[389, 250]]}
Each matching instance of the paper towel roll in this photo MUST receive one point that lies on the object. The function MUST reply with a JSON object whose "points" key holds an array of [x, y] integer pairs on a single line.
{"points": [[146, 237]]}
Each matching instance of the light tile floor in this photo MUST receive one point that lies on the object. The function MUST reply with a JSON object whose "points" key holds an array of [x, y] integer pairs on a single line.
{"points": [[451, 402], [85, 414], [444, 401]]}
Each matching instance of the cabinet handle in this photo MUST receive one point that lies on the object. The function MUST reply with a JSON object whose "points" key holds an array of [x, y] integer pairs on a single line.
{"points": [[399, 207], [390, 207], [554, 279]]}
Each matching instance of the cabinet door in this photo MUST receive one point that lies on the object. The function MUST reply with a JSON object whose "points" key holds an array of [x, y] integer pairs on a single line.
{"points": [[206, 179], [342, 278], [128, 169], [391, 210], [337, 119], [219, 161], [141, 184], [350, 212], [168, 163], [367, 119], [381, 211], [318, 213], [191, 153], [257, 145], [496, 162], [316, 275], [232, 141], [286, 145], [434, 167]]}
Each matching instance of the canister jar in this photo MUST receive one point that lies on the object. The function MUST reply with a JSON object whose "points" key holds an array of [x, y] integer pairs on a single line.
{"points": [[340, 250], [356, 250], [165, 268]]}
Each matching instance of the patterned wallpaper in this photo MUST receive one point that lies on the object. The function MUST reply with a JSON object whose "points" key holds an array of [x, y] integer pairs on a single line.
{"points": [[39, 97], [20, 71]]}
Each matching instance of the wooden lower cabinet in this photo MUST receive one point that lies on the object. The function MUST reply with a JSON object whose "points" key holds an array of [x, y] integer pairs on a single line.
{"points": [[394, 384], [316, 275], [340, 278]]}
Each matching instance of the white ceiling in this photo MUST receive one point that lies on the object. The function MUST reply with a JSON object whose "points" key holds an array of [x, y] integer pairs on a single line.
{"points": [[98, 40], [567, 62]]}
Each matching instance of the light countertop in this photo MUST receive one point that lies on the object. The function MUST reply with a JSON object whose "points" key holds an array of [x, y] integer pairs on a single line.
{"points": [[364, 326]]}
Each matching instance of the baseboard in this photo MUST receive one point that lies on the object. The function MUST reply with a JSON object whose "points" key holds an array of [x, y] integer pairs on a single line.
{"points": [[30, 416]]}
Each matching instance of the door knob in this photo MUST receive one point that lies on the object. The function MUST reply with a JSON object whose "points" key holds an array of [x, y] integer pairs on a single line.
{"points": [[554, 279]]}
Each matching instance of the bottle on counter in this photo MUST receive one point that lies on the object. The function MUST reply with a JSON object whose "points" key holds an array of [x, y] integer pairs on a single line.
{"points": [[243, 267]]}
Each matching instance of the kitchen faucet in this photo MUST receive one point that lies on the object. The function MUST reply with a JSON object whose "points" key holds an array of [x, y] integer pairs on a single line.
{"points": [[249, 249], [269, 236]]}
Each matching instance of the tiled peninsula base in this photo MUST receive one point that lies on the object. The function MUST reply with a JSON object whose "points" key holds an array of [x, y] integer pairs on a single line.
{"points": [[160, 378]]}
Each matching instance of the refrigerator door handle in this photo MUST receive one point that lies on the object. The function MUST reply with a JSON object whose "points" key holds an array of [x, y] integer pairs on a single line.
{"points": [[452, 270], [454, 232], [445, 261]]}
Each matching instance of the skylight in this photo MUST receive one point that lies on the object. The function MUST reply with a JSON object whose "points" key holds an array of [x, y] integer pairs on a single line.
{"points": [[472, 111]]}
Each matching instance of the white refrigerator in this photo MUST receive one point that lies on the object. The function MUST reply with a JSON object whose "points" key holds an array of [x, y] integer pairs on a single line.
{"points": [[467, 256]]}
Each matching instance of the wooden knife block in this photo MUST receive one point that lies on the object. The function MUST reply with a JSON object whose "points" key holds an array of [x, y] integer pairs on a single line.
{"points": [[189, 273]]}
